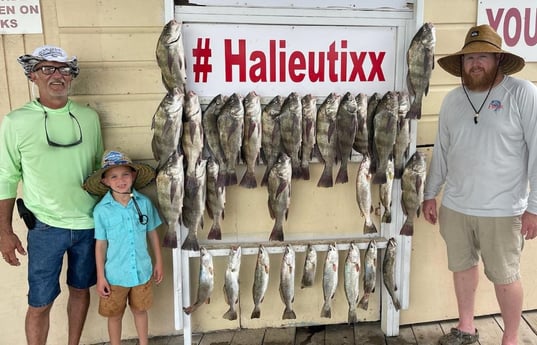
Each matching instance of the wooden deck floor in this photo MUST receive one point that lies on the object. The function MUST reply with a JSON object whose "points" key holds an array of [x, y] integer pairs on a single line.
{"points": [[490, 330]]}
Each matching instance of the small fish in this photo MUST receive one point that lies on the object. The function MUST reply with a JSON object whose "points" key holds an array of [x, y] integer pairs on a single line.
{"points": [[167, 126], [205, 283], [291, 130], [310, 267], [231, 282], [192, 138], [230, 128], [330, 279], [170, 194], [351, 279], [287, 282], [402, 140], [194, 206], [420, 62], [363, 194], [170, 56], [370, 273], [271, 137], [372, 104], [361, 142], [385, 123], [309, 119], [215, 199], [261, 280], [210, 129], [412, 185], [326, 137], [251, 141], [388, 271], [346, 124], [279, 191], [385, 193]]}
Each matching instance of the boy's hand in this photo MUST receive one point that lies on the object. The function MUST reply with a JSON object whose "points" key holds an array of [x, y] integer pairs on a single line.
{"points": [[103, 288]]}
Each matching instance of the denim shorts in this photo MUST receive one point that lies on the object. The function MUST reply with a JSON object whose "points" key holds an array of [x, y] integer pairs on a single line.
{"points": [[47, 246]]}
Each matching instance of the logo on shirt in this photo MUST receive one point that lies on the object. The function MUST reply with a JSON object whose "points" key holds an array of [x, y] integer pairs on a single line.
{"points": [[495, 105]]}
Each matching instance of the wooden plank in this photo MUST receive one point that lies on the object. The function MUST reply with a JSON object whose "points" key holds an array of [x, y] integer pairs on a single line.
{"points": [[490, 332], [217, 338], [427, 333], [248, 337], [405, 337], [159, 341], [525, 332], [531, 318], [279, 336], [339, 335], [368, 333], [313, 335]]}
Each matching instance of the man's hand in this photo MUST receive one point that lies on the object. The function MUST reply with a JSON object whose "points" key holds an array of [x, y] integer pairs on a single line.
{"points": [[428, 208], [9, 242], [529, 225]]}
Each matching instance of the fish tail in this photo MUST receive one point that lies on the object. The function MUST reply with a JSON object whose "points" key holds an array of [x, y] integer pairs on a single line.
{"points": [[364, 302], [306, 172], [231, 314], [326, 177], [352, 318], [221, 179], [256, 313], [305, 282], [370, 228], [264, 180], [414, 112], [407, 229], [398, 173], [296, 172], [387, 216], [191, 242], [326, 311], [342, 175], [379, 178], [395, 301], [288, 313], [277, 233], [170, 239], [248, 180], [231, 178], [215, 233], [190, 183]]}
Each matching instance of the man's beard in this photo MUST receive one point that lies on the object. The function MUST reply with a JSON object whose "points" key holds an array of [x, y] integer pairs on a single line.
{"points": [[481, 83]]}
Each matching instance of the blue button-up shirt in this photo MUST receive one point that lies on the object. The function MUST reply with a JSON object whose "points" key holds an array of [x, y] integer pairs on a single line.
{"points": [[127, 260]]}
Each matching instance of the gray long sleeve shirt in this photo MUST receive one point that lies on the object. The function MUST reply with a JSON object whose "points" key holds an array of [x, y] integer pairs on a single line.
{"points": [[489, 168]]}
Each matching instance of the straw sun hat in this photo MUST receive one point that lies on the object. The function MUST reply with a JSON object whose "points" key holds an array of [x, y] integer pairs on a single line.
{"points": [[482, 39], [111, 159]]}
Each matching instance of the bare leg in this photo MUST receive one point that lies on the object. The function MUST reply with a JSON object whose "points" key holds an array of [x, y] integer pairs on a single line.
{"points": [[465, 288], [37, 324], [510, 298], [77, 310], [114, 329], [141, 321]]}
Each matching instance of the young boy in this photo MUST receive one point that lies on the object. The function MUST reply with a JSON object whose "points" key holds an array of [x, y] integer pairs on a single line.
{"points": [[124, 219]]}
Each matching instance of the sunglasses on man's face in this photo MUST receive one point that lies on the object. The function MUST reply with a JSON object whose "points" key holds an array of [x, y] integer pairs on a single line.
{"points": [[50, 70]]}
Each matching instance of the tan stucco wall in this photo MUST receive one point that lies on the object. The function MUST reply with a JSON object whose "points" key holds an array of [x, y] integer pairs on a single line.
{"points": [[115, 41]]}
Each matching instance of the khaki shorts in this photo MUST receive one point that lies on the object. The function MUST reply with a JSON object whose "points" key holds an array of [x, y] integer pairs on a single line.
{"points": [[497, 239], [140, 298]]}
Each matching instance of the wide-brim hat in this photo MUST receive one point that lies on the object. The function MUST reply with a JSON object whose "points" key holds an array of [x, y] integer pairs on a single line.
{"points": [[93, 184], [48, 53], [482, 39]]}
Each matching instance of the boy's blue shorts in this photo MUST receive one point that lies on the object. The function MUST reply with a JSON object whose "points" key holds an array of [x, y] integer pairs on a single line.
{"points": [[47, 246]]}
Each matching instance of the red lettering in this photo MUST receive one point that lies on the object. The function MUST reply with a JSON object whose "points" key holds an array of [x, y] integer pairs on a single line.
{"points": [[282, 61], [235, 59], [494, 21], [531, 39], [297, 63], [376, 68], [512, 14], [357, 70], [332, 57], [316, 74], [343, 65], [258, 71]]}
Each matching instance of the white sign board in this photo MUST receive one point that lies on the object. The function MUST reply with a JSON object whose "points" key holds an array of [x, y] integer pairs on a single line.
{"points": [[20, 17], [274, 60], [356, 4], [515, 21]]}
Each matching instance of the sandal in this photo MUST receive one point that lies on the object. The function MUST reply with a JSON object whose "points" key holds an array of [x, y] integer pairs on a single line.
{"points": [[458, 337]]}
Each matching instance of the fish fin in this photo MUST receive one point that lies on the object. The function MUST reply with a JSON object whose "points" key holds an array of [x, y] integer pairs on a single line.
{"points": [[190, 243], [305, 172], [352, 318], [396, 303], [326, 311], [221, 179], [215, 233], [387, 217], [407, 229], [248, 180], [379, 178], [414, 112], [277, 233], [170, 239], [191, 184], [364, 302], [342, 175], [326, 179], [230, 314], [398, 173], [288, 314], [370, 228], [256, 313], [208, 208], [264, 180], [231, 178]]}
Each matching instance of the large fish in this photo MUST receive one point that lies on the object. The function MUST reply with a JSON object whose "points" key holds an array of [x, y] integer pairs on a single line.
{"points": [[170, 194], [310, 267], [370, 273], [385, 193], [261, 280], [330, 279], [194, 206], [251, 141], [361, 138], [351, 278], [385, 123], [309, 119], [279, 195], [326, 137], [192, 138], [170, 56], [215, 199], [167, 126], [287, 282], [402, 140], [346, 124], [210, 129], [291, 130], [372, 104], [205, 282], [231, 282], [271, 137], [388, 271], [363, 194], [412, 185], [420, 62], [230, 126]]}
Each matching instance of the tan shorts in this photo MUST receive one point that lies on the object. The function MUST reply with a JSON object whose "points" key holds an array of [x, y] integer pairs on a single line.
{"points": [[497, 239], [140, 298]]}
